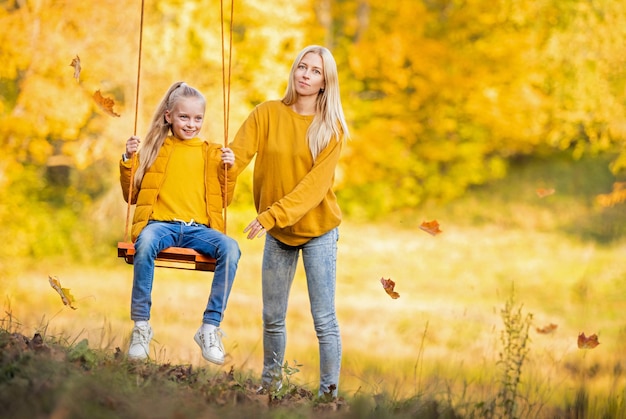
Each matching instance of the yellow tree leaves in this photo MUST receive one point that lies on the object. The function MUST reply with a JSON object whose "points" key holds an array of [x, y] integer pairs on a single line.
{"points": [[65, 294]]}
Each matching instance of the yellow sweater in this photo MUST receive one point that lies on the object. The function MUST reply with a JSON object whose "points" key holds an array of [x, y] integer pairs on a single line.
{"points": [[182, 195], [293, 195]]}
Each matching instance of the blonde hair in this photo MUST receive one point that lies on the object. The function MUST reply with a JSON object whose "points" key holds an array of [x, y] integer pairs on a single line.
{"points": [[160, 128], [329, 120]]}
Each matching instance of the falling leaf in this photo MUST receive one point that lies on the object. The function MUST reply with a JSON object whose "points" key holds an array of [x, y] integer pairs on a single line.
{"points": [[547, 329], [76, 64], [388, 285], [589, 342], [66, 297], [105, 103], [543, 192], [431, 227]]}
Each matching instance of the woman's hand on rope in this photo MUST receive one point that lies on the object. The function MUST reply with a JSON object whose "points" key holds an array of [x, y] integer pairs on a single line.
{"points": [[228, 157], [132, 145], [254, 229]]}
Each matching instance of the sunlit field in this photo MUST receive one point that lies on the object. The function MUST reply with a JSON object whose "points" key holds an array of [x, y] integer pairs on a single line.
{"points": [[442, 337]]}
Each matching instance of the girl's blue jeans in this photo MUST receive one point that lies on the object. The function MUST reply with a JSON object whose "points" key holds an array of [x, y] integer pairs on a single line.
{"points": [[319, 256], [159, 235]]}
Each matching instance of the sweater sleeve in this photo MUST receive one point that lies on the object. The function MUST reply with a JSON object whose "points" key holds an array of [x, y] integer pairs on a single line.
{"points": [[125, 173], [308, 193]]}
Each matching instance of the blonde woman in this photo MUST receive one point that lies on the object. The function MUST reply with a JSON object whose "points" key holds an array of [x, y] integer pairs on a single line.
{"points": [[179, 195], [297, 143]]}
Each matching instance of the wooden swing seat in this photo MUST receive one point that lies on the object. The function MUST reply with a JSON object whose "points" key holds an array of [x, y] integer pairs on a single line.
{"points": [[172, 257]]}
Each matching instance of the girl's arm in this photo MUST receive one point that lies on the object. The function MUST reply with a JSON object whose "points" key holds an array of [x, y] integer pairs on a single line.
{"points": [[132, 145]]}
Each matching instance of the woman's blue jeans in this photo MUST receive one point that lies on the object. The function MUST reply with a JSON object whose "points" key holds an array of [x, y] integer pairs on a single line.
{"points": [[279, 265], [159, 235]]}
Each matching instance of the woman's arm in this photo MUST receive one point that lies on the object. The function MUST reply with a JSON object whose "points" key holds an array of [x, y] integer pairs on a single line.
{"points": [[308, 193]]}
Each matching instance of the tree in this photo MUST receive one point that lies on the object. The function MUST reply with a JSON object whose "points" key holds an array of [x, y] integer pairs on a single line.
{"points": [[442, 94]]}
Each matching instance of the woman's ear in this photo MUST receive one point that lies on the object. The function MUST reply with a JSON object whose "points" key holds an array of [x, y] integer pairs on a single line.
{"points": [[166, 117]]}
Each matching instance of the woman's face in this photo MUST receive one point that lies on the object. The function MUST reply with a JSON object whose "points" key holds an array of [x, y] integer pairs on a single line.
{"points": [[309, 75], [186, 117]]}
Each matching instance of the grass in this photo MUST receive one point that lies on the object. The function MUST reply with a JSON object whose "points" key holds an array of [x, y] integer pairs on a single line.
{"points": [[434, 352]]}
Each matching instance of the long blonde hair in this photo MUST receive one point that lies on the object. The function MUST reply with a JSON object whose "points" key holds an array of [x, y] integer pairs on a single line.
{"points": [[329, 120], [160, 128]]}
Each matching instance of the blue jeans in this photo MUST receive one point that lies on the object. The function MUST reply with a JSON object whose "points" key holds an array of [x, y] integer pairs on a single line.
{"points": [[279, 265], [159, 235]]}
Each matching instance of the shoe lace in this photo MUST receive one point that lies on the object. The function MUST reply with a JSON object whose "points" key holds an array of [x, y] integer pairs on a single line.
{"points": [[140, 336], [212, 337]]}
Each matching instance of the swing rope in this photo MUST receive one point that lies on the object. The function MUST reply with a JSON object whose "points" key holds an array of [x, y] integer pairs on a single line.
{"points": [[225, 98], [226, 92], [132, 162]]}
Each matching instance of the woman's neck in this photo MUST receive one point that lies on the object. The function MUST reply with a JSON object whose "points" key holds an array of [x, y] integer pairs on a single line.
{"points": [[305, 105]]}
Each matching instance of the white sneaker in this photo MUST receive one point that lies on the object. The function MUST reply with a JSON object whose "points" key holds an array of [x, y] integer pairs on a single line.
{"points": [[211, 345], [139, 347]]}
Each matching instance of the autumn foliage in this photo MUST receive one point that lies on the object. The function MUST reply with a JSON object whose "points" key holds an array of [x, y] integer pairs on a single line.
{"points": [[388, 286], [587, 342], [105, 103], [543, 192], [431, 227], [550, 328], [66, 296]]}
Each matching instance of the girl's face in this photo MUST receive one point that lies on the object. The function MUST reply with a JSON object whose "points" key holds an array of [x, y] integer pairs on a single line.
{"points": [[309, 75], [186, 118]]}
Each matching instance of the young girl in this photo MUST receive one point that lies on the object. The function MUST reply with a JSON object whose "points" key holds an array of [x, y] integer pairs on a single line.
{"points": [[178, 189], [297, 142]]}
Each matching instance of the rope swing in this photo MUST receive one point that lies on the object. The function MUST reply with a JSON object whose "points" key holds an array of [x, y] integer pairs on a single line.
{"points": [[180, 257]]}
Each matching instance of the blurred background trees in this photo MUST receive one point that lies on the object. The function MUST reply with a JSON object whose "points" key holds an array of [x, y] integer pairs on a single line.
{"points": [[441, 96]]}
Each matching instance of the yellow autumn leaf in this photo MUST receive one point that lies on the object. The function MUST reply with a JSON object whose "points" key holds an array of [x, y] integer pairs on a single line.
{"points": [[65, 294]]}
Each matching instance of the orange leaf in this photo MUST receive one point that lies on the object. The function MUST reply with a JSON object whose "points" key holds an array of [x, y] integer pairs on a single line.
{"points": [[543, 192], [388, 285], [587, 342], [547, 329], [76, 64], [105, 103], [431, 227], [66, 297]]}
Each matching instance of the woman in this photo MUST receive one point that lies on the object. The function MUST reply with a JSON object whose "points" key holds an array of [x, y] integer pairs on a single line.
{"points": [[297, 142]]}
